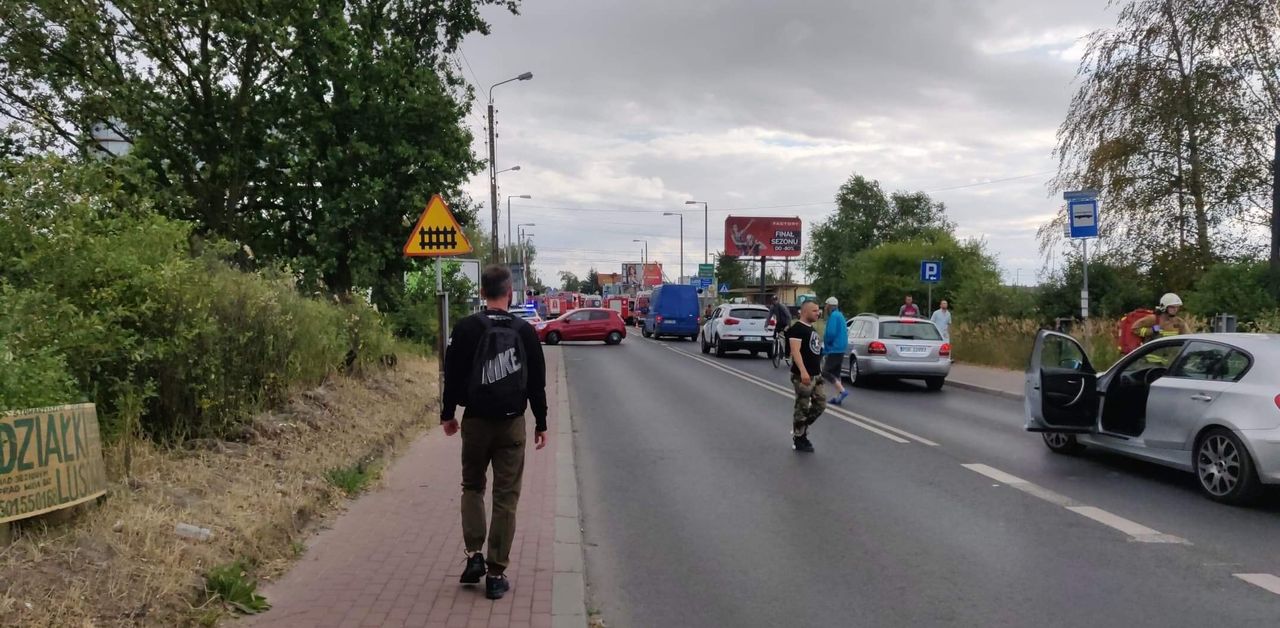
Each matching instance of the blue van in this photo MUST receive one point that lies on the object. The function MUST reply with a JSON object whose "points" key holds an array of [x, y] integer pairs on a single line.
{"points": [[673, 311]]}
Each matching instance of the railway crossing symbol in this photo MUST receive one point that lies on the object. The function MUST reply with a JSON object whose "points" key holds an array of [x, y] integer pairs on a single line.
{"points": [[437, 233]]}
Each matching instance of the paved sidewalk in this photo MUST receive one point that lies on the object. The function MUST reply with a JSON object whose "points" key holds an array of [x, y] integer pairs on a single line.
{"points": [[393, 558], [999, 382]]}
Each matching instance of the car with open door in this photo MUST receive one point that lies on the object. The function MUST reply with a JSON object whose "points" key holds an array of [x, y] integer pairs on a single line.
{"points": [[1202, 403]]}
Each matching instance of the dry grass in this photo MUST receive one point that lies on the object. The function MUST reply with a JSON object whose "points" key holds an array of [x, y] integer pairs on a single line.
{"points": [[121, 564], [1007, 343]]}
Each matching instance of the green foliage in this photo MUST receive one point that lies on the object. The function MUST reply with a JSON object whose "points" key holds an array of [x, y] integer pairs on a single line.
{"points": [[876, 280], [1233, 288], [351, 479], [569, 282], [866, 217], [311, 130], [731, 270], [1116, 286], [232, 585], [418, 317], [101, 300]]}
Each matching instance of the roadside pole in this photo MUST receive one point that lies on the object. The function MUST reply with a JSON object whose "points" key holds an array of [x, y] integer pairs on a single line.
{"points": [[1082, 224], [442, 302], [1084, 292]]}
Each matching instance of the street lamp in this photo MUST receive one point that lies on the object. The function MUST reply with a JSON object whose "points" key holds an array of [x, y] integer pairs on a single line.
{"points": [[644, 264], [681, 239], [509, 197], [705, 229], [511, 169], [493, 168]]}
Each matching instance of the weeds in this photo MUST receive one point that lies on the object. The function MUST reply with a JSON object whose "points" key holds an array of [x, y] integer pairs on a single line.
{"points": [[351, 479], [232, 585]]}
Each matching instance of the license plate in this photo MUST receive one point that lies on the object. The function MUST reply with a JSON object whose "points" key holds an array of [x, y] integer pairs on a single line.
{"points": [[913, 351], [752, 338]]}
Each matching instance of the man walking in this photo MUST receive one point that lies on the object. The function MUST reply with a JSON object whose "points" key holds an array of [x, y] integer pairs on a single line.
{"points": [[909, 309], [494, 367], [942, 319], [835, 342], [806, 353]]}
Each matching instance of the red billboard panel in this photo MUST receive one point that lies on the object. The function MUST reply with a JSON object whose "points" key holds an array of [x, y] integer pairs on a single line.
{"points": [[750, 236], [631, 274]]}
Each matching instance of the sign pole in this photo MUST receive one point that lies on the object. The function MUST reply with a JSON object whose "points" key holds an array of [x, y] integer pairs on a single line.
{"points": [[930, 308], [1084, 292], [442, 342]]}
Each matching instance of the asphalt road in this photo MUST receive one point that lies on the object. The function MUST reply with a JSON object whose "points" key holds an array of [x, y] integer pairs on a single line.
{"points": [[921, 509]]}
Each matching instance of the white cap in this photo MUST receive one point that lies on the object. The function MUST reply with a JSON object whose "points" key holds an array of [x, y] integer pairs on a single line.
{"points": [[833, 301]]}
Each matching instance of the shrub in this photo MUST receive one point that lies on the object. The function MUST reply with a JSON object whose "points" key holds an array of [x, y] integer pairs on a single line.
{"points": [[1238, 288], [100, 299]]}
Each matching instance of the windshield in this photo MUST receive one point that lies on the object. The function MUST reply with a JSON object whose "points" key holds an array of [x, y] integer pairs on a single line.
{"points": [[909, 330]]}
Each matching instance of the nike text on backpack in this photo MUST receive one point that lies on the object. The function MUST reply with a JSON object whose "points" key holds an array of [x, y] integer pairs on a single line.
{"points": [[497, 386]]}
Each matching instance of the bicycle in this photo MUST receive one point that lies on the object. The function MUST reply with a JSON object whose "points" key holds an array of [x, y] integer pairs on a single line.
{"points": [[780, 353]]}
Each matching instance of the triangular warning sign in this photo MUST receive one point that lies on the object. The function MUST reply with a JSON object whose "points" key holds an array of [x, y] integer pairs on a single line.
{"points": [[437, 233]]}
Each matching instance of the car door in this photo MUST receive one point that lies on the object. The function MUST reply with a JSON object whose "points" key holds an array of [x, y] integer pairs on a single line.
{"points": [[597, 325], [575, 325], [1179, 401], [1061, 387]]}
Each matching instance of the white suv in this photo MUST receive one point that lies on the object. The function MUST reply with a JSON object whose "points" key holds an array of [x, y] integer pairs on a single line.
{"points": [[738, 327]]}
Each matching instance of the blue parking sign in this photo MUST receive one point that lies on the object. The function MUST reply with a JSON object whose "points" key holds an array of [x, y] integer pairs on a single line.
{"points": [[930, 271]]}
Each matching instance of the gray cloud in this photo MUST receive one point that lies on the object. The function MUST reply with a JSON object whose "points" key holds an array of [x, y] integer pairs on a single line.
{"points": [[638, 106]]}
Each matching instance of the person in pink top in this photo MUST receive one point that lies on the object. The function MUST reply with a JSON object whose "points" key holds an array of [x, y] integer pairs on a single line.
{"points": [[909, 309]]}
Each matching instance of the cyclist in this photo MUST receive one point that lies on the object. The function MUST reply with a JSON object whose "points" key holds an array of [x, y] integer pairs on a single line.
{"points": [[781, 316]]}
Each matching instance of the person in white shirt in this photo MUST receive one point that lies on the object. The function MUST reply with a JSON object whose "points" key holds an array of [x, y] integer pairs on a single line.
{"points": [[942, 318]]}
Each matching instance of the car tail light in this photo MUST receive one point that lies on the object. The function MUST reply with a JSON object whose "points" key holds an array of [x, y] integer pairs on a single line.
{"points": [[658, 318], [773, 322], [945, 349], [731, 321], [877, 348]]}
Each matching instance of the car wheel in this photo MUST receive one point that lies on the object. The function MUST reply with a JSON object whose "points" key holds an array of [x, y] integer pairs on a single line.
{"points": [[646, 333], [935, 383], [854, 380], [719, 348], [1224, 467], [553, 338], [613, 338], [1060, 443], [702, 340]]}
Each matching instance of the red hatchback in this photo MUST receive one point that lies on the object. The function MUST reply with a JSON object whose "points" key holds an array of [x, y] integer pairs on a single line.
{"points": [[588, 323]]}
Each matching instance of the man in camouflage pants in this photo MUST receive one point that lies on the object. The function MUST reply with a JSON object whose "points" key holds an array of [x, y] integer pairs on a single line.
{"points": [[805, 345]]}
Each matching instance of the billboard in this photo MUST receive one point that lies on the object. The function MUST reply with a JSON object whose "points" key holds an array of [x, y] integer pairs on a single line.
{"points": [[50, 458], [631, 274], [750, 236]]}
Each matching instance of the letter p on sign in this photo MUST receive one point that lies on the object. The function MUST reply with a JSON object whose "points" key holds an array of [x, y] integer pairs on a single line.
{"points": [[930, 271]]}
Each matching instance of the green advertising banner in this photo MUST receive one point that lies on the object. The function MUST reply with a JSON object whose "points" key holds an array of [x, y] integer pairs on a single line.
{"points": [[50, 458]]}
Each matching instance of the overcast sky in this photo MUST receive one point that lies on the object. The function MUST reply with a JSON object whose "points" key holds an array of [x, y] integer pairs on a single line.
{"points": [[638, 106]]}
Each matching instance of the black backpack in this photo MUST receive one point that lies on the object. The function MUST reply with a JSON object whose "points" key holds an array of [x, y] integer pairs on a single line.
{"points": [[499, 379]]}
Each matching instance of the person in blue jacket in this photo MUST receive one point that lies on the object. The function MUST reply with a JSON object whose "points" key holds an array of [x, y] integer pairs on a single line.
{"points": [[835, 343]]}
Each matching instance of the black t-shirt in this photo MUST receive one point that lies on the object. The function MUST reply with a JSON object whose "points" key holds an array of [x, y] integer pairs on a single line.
{"points": [[810, 347]]}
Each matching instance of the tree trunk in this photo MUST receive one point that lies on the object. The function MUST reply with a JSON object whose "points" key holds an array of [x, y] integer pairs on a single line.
{"points": [[1275, 217]]}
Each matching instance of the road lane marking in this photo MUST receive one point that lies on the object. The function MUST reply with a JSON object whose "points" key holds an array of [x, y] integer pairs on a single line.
{"points": [[789, 393], [840, 413], [1136, 531], [1264, 580], [995, 474]]}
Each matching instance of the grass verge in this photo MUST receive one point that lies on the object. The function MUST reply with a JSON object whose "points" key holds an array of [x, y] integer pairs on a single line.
{"points": [[121, 564]]}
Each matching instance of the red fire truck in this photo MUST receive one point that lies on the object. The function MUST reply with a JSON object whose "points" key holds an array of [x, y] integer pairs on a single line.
{"points": [[621, 305]]}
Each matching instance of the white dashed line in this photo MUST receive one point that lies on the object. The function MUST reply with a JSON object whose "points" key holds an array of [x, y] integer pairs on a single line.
{"points": [[1266, 581], [1136, 531]]}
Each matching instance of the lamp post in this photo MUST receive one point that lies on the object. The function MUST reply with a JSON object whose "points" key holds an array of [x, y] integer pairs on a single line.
{"points": [[509, 197], [681, 239], [705, 229], [644, 264], [493, 169], [524, 259]]}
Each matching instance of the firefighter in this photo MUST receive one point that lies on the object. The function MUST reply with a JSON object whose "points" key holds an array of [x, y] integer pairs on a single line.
{"points": [[1165, 322]]}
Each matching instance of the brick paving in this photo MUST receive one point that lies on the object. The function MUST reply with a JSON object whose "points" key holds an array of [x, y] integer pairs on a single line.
{"points": [[393, 558]]}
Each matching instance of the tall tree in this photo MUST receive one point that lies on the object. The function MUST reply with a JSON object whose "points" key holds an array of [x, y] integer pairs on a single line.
{"points": [[1161, 126], [569, 282], [731, 270], [865, 217], [310, 130], [590, 284]]}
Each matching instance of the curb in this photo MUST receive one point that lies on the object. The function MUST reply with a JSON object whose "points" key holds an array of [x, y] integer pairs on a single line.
{"points": [[568, 587], [984, 389]]}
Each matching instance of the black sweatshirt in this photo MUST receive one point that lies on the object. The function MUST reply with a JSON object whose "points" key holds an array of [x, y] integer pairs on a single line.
{"points": [[461, 353]]}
